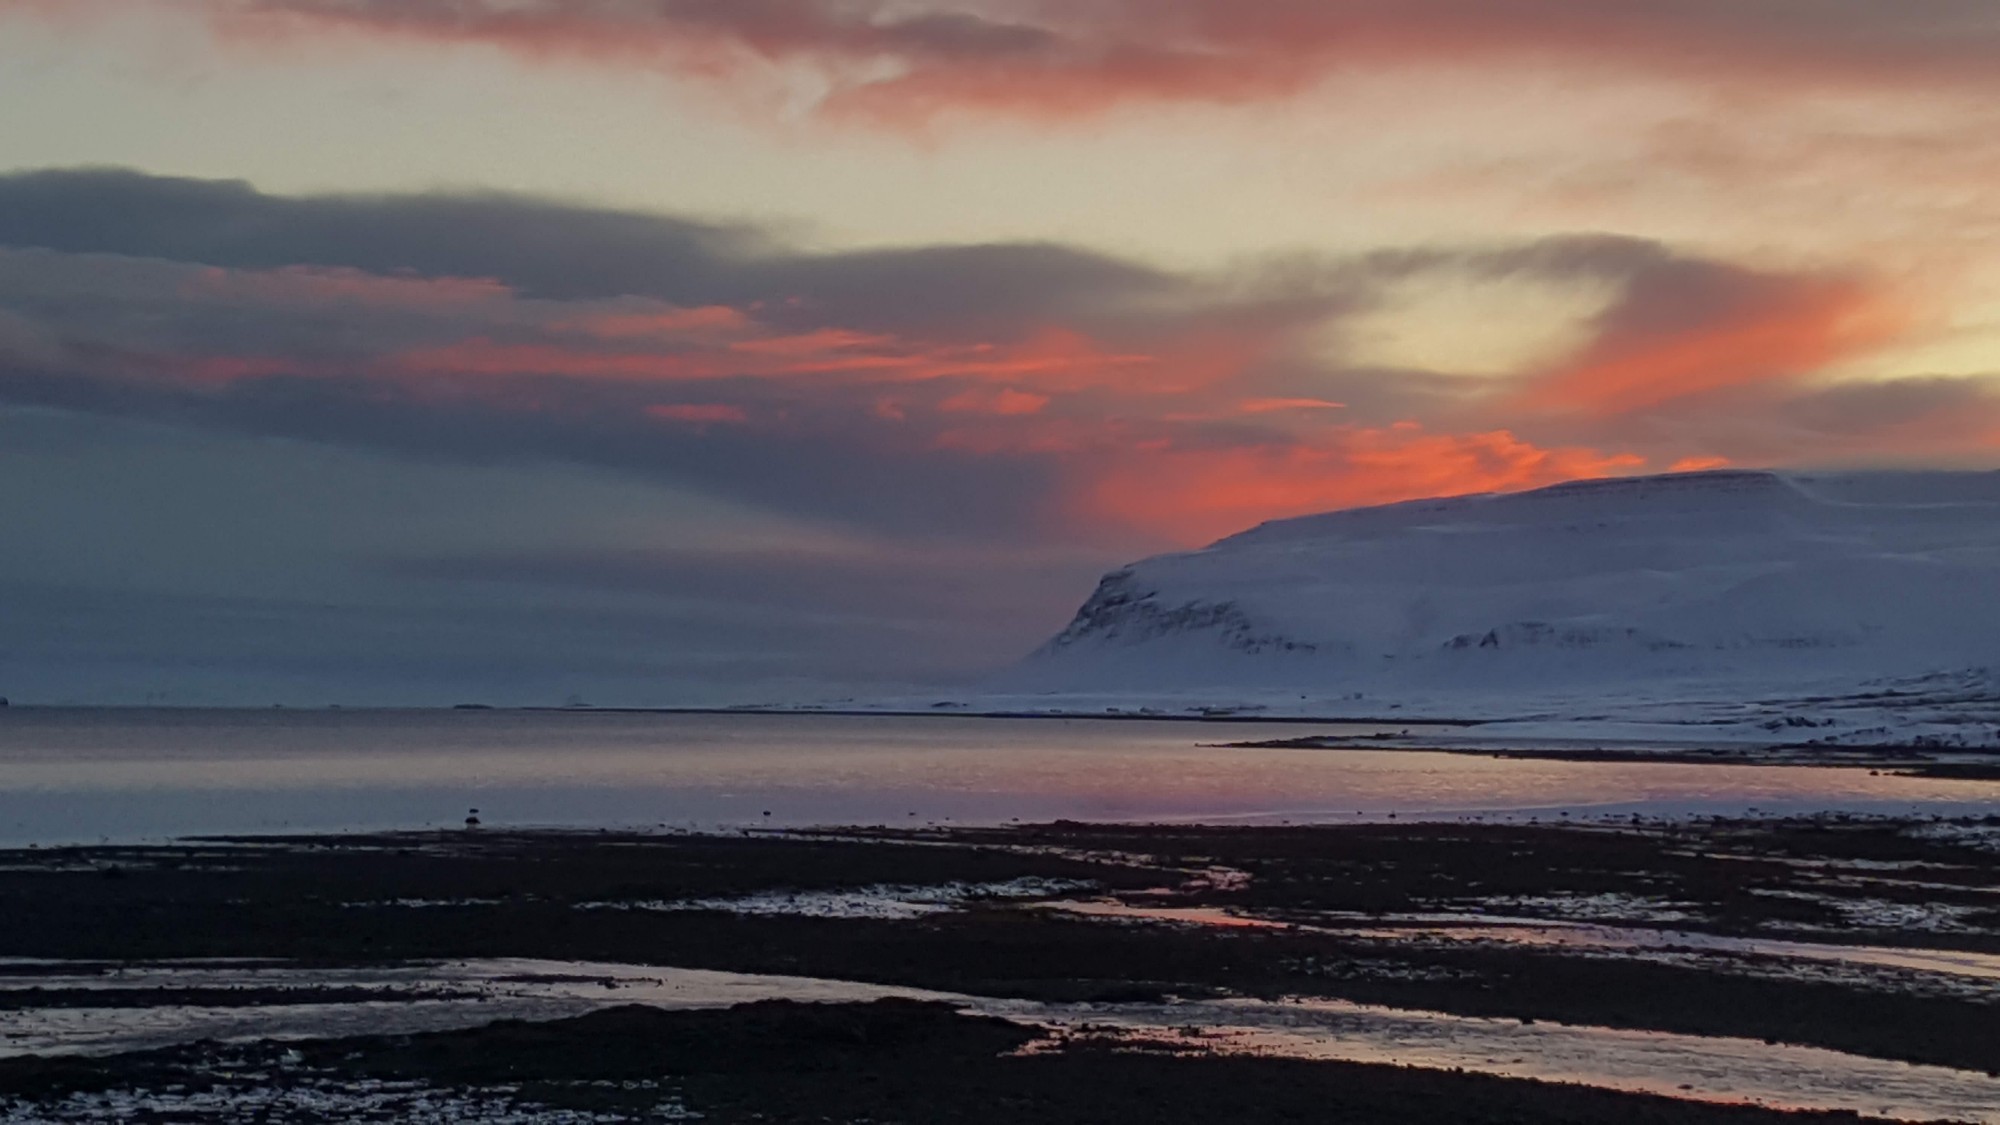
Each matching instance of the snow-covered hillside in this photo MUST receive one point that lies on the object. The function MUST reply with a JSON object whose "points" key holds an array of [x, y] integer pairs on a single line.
{"points": [[1741, 595]]}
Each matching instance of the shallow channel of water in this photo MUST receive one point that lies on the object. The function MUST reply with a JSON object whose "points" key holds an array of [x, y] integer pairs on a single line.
{"points": [[1683, 1066], [1588, 936]]}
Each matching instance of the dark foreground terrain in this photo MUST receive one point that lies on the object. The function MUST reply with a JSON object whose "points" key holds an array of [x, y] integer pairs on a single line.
{"points": [[786, 1062], [1062, 914]]}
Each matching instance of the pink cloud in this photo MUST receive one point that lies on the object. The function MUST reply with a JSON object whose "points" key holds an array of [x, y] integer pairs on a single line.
{"points": [[328, 285], [1004, 401], [672, 322], [1187, 420], [1283, 405], [819, 343], [903, 62], [699, 413], [483, 356], [1051, 360]]}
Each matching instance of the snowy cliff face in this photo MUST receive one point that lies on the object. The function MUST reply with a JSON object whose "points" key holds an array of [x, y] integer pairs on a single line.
{"points": [[1747, 582]]}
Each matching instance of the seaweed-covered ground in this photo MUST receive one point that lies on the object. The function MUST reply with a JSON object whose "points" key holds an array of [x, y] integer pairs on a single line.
{"points": [[1876, 938]]}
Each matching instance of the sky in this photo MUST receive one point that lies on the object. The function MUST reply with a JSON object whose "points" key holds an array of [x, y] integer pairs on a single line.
{"points": [[720, 351]]}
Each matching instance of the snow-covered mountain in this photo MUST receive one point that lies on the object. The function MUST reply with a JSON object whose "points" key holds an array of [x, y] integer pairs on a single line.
{"points": [[1726, 587]]}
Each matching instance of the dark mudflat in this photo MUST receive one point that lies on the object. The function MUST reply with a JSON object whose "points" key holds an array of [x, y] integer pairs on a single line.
{"points": [[384, 899], [887, 1062], [41, 998]]}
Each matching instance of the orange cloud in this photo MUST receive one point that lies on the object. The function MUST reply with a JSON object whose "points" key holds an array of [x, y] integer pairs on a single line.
{"points": [[1187, 418], [1054, 356], [1054, 359], [1280, 405], [1255, 408], [1197, 495], [1793, 329], [1699, 464]]}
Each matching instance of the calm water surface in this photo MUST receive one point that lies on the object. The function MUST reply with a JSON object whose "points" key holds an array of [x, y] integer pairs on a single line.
{"points": [[85, 775]]}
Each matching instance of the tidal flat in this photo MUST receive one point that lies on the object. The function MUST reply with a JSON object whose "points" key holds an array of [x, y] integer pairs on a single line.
{"points": [[1823, 968]]}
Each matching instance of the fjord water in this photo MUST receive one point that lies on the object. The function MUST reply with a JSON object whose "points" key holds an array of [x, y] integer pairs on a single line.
{"points": [[81, 775]]}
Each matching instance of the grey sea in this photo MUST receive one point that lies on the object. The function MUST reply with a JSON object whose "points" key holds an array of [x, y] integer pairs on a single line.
{"points": [[84, 775]]}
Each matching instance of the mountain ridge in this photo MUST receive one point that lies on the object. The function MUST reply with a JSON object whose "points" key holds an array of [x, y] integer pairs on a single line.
{"points": [[1725, 585]]}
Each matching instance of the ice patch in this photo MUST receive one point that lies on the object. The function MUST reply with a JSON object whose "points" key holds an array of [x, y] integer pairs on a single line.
{"points": [[246, 1093], [1885, 914], [886, 902], [1606, 907], [1545, 933], [1979, 835]]}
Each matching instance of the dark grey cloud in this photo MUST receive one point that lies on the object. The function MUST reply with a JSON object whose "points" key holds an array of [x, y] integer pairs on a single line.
{"points": [[1651, 274], [1937, 420], [115, 308], [126, 249], [194, 375], [543, 248], [566, 252], [1677, 296], [217, 306], [850, 470], [1860, 409]]}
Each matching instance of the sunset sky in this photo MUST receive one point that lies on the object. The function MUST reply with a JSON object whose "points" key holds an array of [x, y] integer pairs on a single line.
{"points": [[377, 351]]}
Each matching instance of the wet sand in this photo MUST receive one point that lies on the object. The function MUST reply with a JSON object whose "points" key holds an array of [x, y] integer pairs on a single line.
{"points": [[1898, 923]]}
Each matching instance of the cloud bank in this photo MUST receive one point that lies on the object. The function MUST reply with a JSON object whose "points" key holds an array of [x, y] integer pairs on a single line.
{"points": [[683, 456], [976, 392], [896, 61]]}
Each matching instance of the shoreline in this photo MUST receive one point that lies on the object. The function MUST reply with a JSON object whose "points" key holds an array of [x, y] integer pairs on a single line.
{"points": [[1916, 758], [756, 711], [1905, 761]]}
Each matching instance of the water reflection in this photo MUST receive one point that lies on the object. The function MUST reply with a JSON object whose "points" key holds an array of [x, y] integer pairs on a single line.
{"points": [[1545, 934], [128, 774]]}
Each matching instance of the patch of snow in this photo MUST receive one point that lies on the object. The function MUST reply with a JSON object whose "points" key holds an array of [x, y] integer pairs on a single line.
{"points": [[241, 1089], [1979, 835], [1567, 936], [883, 901], [1606, 907], [425, 903], [1884, 914]]}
